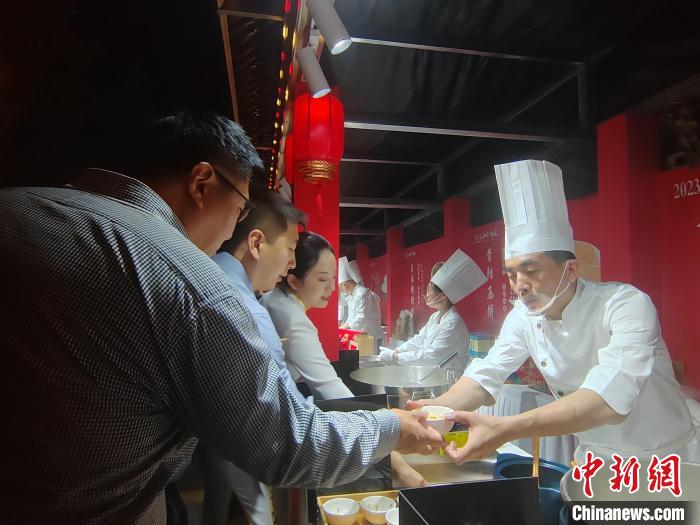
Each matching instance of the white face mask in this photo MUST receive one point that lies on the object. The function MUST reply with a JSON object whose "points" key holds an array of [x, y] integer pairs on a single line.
{"points": [[435, 302], [550, 302]]}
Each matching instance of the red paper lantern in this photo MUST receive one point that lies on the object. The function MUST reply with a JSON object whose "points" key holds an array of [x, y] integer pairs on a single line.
{"points": [[319, 126], [289, 159]]}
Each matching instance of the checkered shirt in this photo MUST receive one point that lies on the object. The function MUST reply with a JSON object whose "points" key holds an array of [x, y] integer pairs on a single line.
{"points": [[122, 343]]}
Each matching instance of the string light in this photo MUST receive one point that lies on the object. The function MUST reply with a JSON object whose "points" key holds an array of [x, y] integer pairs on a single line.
{"points": [[275, 169]]}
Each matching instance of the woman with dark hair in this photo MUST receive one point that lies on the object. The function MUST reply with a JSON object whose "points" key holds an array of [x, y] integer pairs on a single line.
{"points": [[309, 285]]}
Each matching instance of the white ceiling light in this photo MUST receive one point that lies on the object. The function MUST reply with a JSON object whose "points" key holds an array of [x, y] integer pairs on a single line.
{"points": [[318, 85], [332, 28]]}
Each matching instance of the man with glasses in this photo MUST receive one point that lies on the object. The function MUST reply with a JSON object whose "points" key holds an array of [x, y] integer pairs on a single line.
{"points": [[125, 341], [255, 259], [247, 204]]}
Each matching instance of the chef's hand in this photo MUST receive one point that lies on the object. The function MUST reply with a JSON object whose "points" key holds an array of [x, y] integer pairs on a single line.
{"points": [[416, 436], [387, 354], [417, 404], [486, 434]]}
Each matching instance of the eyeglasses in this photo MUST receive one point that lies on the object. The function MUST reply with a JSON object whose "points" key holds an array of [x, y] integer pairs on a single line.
{"points": [[248, 204]]}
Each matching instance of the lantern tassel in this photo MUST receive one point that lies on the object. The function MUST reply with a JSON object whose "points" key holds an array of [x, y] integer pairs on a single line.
{"points": [[319, 200]]}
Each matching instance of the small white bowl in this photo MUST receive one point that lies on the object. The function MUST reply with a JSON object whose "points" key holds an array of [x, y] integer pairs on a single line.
{"points": [[374, 508], [341, 511], [436, 418], [392, 517]]}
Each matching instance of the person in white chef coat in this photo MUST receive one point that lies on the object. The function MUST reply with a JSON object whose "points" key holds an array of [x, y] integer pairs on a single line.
{"points": [[445, 332], [598, 345], [363, 307]]}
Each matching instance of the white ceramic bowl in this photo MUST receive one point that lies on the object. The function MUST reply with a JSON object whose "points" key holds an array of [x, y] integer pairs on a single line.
{"points": [[392, 517], [436, 418], [374, 508], [341, 511]]}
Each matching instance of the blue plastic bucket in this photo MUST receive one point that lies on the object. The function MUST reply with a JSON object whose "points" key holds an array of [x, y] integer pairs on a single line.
{"points": [[513, 466]]}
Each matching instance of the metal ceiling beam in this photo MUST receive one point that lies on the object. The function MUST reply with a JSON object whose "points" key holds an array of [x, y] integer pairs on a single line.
{"points": [[413, 219], [249, 14], [490, 182], [355, 231], [228, 55], [513, 114], [385, 161], [409, 42], [388, 204], [456, 132]]}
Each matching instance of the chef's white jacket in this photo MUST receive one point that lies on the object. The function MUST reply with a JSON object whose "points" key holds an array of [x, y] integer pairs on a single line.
{"points": [[303, 352], [436, 340], [364, 312], [342, 309], [608, 341]]}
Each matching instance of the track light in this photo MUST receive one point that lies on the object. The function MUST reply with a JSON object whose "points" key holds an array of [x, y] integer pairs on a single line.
{"points": [[332, 28], [318, 85]]}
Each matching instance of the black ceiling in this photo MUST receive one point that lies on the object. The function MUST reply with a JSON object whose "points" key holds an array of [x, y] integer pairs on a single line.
{"points": [[74, 65], [542, 67]]}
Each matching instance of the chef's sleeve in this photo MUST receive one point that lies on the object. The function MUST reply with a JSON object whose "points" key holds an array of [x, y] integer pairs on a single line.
{"points": [[506, 356], [413, 348], [627, 361]]}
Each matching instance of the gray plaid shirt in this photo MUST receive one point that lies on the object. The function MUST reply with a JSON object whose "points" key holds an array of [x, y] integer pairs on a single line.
{"points": [[121, 342]]}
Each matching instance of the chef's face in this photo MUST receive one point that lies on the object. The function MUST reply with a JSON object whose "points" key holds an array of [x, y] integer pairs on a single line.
{"points": [[317, 286], [345, 287], [536, 278], [433, 298], [277, 257]]}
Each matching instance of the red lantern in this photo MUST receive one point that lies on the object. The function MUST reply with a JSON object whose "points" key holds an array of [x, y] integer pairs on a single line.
{"points": [[318, 136], [289, 159]]}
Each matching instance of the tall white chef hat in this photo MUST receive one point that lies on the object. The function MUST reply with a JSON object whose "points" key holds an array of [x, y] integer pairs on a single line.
{"points": [[355, 273], [534, 208], [458, 277], [343, 270], [346, 271]]}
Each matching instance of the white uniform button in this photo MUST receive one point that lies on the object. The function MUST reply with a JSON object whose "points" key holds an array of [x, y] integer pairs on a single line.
{"points": [[539, 327], [543, 363], [560, 393]]}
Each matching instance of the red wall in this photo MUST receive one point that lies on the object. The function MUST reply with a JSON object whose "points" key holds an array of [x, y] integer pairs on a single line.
{"points": [[322, 204], [648, 235]]}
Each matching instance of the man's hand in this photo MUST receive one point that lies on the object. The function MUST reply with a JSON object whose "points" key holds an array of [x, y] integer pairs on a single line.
{"points": [[416, 436], [419, 403], [465, 394], [486, 434]]}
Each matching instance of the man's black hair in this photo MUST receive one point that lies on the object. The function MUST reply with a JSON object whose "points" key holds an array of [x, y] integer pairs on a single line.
{"points": [[178, 141]]}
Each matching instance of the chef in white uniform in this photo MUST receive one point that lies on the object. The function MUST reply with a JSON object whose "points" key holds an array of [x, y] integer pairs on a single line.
{"points": [[363, 309], [445, 331], [598, 345]]}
